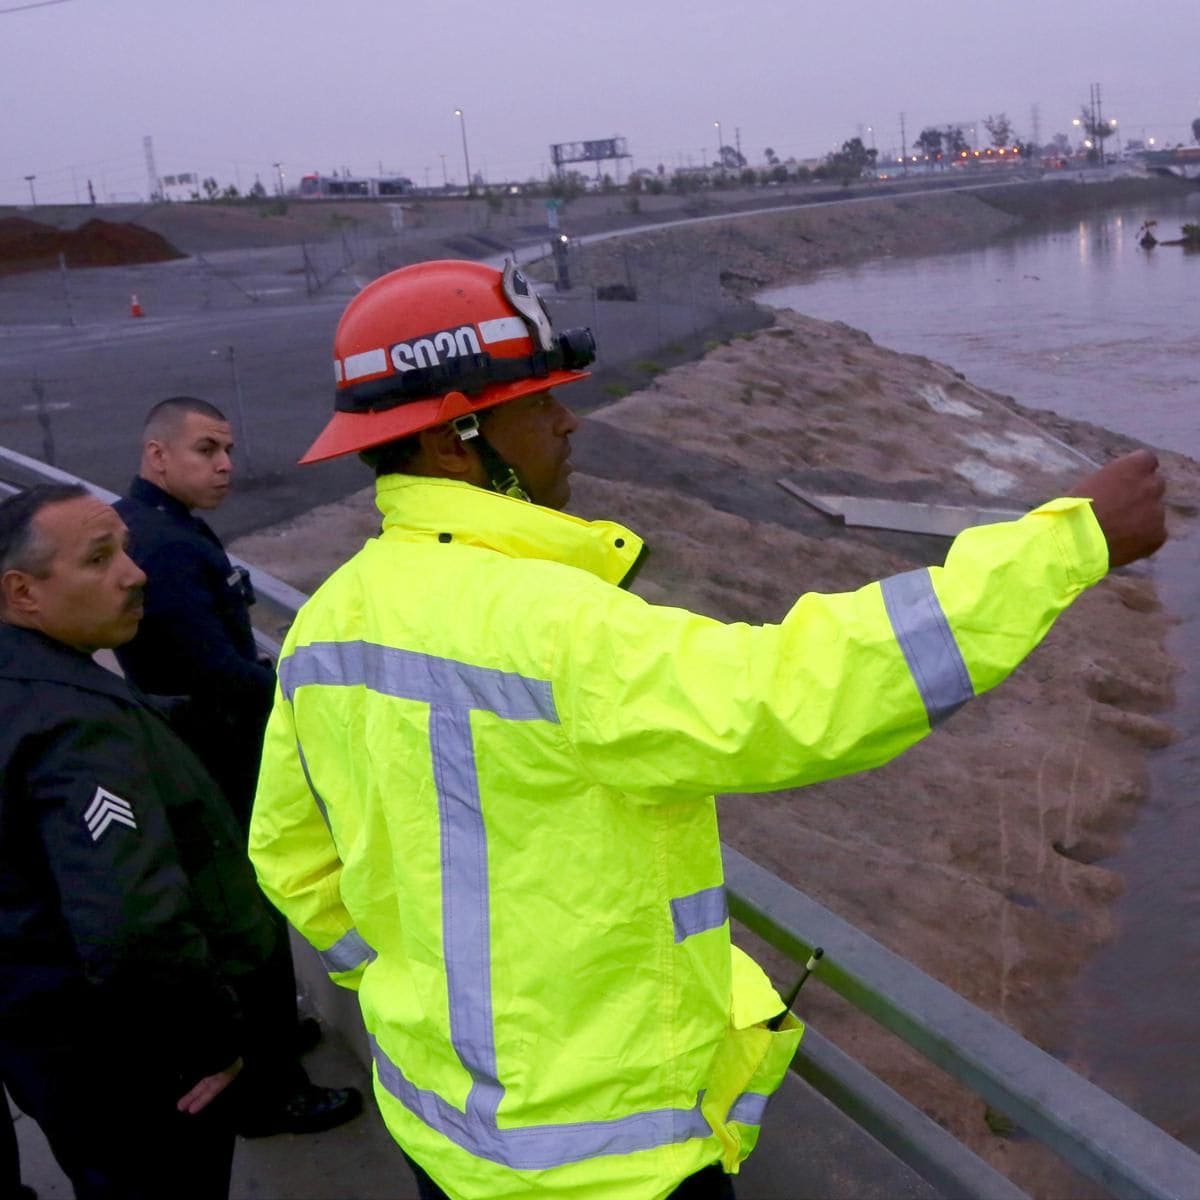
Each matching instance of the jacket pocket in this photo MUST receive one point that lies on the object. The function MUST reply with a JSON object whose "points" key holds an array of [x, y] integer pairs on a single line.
{"points": [[748, 1068]]}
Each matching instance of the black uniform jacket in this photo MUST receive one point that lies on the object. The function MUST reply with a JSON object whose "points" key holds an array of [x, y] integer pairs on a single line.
{"points": [[127, 905], [195, 641]]}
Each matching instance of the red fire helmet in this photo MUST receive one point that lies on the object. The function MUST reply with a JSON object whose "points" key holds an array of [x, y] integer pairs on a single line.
{"points": [[438, 340]]}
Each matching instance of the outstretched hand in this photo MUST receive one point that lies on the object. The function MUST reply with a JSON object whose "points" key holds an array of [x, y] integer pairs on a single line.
{"points": [[1127, 498]]}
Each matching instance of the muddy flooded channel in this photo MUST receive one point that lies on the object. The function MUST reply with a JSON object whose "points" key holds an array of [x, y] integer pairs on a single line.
{"points": [[1080, 319]]}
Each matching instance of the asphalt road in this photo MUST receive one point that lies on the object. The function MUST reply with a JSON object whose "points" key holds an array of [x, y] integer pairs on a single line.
{"points": [[86, 387], [239, 328]]}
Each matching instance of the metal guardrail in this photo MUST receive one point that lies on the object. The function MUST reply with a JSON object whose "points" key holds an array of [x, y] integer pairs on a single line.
{"points": [[1088, 1128], [275, 590]]}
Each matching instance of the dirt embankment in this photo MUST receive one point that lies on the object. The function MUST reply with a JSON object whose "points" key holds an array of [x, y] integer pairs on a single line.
{"points": [[977, 854], [32, 246], [750, 253]]}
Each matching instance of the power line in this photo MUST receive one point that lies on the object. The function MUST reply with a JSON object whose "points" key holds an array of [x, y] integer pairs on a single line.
{"points": [[36, 4]]}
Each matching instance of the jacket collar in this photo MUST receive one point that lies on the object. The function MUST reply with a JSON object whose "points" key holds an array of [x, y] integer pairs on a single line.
{"points": [[31, 657], [421, 508], [149, 493]]}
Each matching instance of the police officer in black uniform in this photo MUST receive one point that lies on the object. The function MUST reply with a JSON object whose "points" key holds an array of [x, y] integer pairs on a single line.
{"points": [[195, 643], [129, 916], [195, 650]]}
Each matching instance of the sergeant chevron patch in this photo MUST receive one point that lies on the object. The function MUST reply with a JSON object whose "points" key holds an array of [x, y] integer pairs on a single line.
{"points": [[104, 809]]}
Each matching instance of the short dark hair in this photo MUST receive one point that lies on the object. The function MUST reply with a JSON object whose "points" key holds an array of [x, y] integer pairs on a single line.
{"points": [[22, 548], [395, 458], [167, 415], [392, 458]]}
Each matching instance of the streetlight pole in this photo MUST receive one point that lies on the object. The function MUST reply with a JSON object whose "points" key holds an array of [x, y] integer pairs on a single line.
{"points": [[445, 181], [458, 112], [278, 179], [720, 156], [32, 194]]}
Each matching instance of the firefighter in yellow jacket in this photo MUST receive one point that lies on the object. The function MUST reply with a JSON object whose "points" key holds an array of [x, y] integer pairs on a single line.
{"points": [[486, 793]]}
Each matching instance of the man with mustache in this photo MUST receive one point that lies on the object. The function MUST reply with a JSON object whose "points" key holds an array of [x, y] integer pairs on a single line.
{"points": [[195, 648], [487, 786], [128, 912]]}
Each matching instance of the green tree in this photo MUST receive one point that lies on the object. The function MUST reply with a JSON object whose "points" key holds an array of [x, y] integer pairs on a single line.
{"points": [[728, 159], [771, 157], [211, 187], [955, 141], [929, 142], [567, 185], [999, 129], [850, 161]]}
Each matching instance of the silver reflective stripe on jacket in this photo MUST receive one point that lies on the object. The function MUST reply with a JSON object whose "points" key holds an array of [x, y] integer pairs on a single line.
{"points": [[928, 643], [349, 952], [408, 675], [453, 690], [539, 1147], [748, 1108], [322, 808], [700, 911]]}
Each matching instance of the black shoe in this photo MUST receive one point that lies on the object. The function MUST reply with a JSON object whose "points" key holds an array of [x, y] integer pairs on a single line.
{"points": [[312, 1109], [308, 1034]]}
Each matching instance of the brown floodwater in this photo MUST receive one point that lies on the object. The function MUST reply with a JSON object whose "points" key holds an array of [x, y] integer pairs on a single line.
{"points": [[1078, 318]]}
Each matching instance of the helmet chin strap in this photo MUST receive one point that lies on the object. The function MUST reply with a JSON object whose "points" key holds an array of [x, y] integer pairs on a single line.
{"points": [[502, 478]]}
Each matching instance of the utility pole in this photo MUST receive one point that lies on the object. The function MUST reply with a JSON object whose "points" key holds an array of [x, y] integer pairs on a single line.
{"points": [[462, 122], [1035, 123], [903, 146], [151, 169], [737, 138]]}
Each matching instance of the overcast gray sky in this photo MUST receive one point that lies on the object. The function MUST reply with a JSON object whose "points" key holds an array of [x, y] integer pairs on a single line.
{"points": [[228, 87]]}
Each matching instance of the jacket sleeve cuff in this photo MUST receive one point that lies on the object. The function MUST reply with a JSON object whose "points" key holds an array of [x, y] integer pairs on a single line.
{"points": [[1081, 541]]}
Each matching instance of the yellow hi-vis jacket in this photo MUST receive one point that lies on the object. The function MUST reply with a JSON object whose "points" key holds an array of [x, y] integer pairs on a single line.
{"points": [[486, 799]]}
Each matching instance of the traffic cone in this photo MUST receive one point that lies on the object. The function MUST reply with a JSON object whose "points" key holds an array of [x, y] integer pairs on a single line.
{"points": [[135, 306]]}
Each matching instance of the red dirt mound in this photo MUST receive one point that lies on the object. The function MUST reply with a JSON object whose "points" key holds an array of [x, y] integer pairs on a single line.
{"points": [[31, 246]]}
